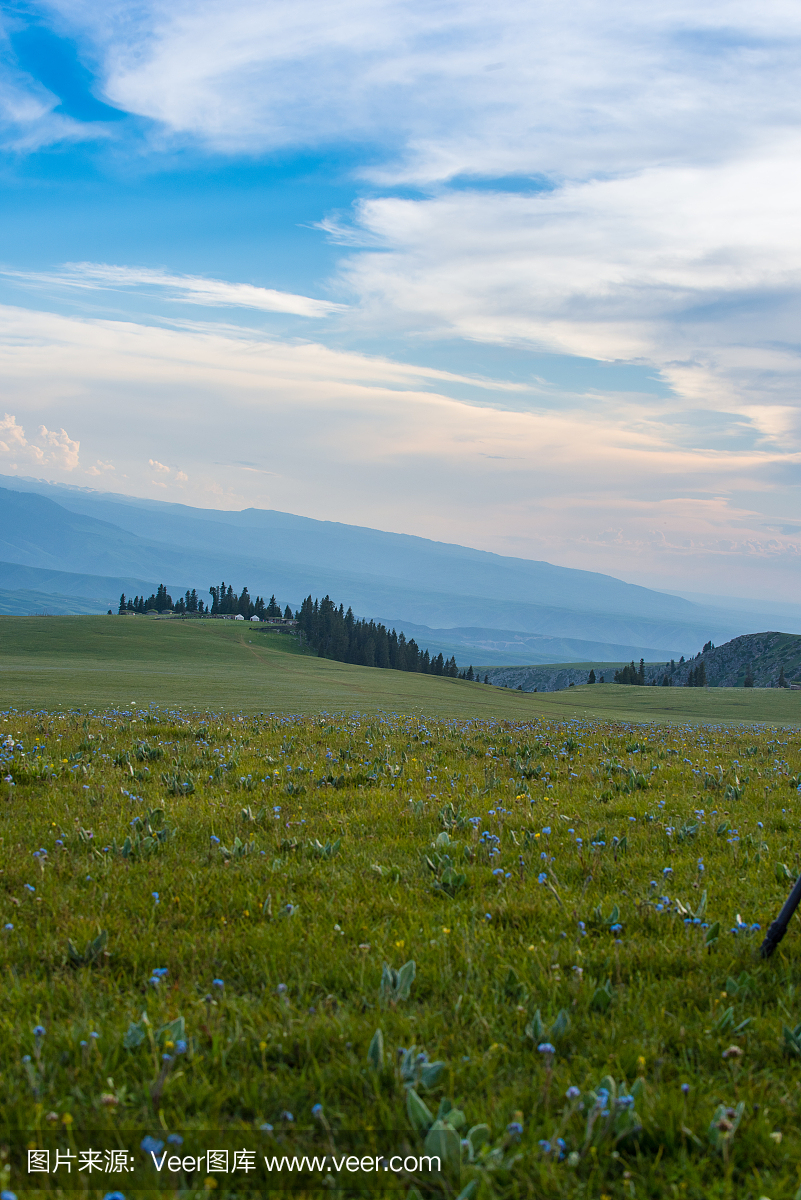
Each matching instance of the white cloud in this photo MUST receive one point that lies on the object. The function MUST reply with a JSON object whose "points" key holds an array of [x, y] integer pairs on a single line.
{"points": [[100, 468], [696, 271], [452, 88], [155, 465], [188, 289], [56, 450]]}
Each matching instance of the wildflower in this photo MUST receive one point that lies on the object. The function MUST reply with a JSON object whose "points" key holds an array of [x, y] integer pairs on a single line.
{"points": [[30, 887], [155, 896], [546, 1048], [515, 1128], [487, 916], [215, 841], [542, 877], [615, 928], [573, 1093], [546, 829], [218, 983], [317, 1111], [151, 1145], [667, 870], [287, 1116], [160, 972], [498, 871], [544, 1146], [281, 988], [39, 1031], [108, 1195], [8, 1196], [175, 1139], [266, 1127], [732, 1052], [180, 1048], [685, 1087], [8, 926]]}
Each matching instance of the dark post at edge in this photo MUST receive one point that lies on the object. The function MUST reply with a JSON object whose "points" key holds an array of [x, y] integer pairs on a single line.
{"points": [[779, 927]]}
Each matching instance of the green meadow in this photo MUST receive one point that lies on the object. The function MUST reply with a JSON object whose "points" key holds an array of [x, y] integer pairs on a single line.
{"points": [[63, 662], [515, 934]]}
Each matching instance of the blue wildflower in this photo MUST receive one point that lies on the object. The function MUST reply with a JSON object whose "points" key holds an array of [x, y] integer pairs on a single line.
{"points": [[151, 1145], [515, 1128], [685, 1087], [287, 1116], [317, 1111], [175, 1139], [155, 896], [573, 1093], [39, 1031], [218, 983], [546, 1048]]}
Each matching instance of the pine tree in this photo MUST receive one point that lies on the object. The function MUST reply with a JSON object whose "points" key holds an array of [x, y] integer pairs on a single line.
{"points": [[782, 679], [470, 672], [641, 673], [591, 676], [122, 603]]}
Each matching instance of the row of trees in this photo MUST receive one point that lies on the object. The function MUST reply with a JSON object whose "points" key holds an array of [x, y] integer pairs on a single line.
{"points": [[631, 674], [224, 602], [158, 601], [335, 633]]}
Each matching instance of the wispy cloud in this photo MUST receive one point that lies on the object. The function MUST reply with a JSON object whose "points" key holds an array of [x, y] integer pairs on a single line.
{"points": [[188, 289]]}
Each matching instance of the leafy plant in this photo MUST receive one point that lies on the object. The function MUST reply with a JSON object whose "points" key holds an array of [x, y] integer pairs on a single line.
{"points": [[396, 985], [177, 786], [145, 839], [91, 954]]}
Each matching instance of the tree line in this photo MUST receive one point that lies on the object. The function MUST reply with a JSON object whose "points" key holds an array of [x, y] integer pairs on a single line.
{"points": [[335, 633], [224, 602]]}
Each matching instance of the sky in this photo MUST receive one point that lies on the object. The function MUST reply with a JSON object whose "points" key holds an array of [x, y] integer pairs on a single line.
{"points": [[524, 277]]}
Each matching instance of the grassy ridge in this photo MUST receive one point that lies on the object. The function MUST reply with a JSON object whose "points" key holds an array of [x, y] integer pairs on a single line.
{"points": [[527, 869], [90, 661]]}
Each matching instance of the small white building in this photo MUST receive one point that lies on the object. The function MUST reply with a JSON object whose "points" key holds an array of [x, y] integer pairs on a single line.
{"points": [[239, 617], [255, 618]]}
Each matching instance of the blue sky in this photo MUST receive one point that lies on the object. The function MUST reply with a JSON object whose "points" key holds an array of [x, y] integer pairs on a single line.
{"points": [[525, 279]]}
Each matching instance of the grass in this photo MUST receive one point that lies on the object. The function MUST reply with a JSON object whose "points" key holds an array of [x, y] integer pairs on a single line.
{"points": [[68, 662], [584, 885]]}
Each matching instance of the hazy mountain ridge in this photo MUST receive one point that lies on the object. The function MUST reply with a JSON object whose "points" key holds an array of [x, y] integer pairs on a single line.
{"points": [[435, 586]]}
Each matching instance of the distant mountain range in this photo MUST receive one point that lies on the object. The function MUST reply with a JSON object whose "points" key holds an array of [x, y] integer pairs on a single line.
{"points": [[761, 656], [67, 549]]}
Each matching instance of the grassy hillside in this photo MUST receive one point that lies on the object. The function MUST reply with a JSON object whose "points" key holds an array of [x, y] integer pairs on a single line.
{"points": [[55, 662]]}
